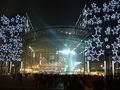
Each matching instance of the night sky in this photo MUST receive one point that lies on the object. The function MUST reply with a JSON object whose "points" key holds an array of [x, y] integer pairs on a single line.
{"points": [[45, 12]]}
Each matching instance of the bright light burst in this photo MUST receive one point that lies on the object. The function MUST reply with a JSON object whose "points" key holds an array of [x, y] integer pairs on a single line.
{"points": [[11, 32], [67, 52]]}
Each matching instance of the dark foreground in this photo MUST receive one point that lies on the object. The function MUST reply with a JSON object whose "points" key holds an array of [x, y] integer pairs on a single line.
{"points": [[58, 82]]}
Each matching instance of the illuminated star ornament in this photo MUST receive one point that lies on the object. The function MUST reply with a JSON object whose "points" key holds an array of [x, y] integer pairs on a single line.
{"points": [[11, 42], [98, 29], [104, 19]]}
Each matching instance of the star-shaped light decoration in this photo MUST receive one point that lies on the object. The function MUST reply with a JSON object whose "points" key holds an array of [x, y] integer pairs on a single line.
{"points": [[115, 51], [96, 20], [115, 45], [88, 12], [118, 39], [115, 30], [107, 46], [101, 52], [118, 44], [119, 21], [91, 49], [99, 43], [95, 56], [118, 27], [113, 3], [108, 30], [115, 16], [97, 10], [116, 58], [118, 4], [106, 39], [12, 19], [17, 17], [106, 13], [111, 8], [106, 17], [89, 43], [105, 7], [5, 20], [90, 22], [96, 37], [98, 29], [84, 23], [93, 5], [12, 29], [1, 35]]}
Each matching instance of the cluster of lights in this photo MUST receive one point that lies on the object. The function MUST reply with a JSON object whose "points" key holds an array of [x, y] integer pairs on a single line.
{"points": [[67, 52], [11, 32], [105, 20]]}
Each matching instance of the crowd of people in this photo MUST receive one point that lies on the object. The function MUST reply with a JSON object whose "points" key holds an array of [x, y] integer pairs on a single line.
{"points": [[73, 82], [77, 82]]}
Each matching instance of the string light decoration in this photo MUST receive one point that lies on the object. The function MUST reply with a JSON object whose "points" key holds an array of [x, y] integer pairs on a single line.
{"points": [[104, 18], [11, 32]]}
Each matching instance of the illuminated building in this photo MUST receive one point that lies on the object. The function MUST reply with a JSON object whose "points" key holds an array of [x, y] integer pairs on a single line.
{"points": [[52, 49]]}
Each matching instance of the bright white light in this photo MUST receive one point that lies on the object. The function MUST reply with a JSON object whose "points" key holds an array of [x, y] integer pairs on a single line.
{"points": [[76, 63], [31, 48], [33, 54], [67, 52], [72, 52], [70, 33]]}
